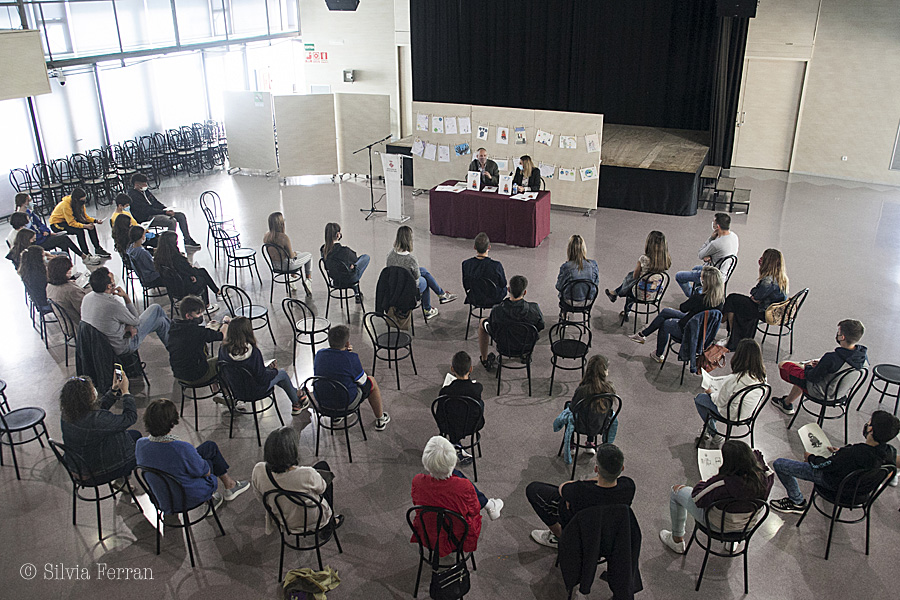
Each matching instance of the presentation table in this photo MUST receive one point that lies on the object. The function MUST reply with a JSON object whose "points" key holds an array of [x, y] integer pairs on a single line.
{"points": [[504, 220]]}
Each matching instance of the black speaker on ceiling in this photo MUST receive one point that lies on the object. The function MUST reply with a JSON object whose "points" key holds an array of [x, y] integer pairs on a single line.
{"points": [[736, 8], [342, 4]]}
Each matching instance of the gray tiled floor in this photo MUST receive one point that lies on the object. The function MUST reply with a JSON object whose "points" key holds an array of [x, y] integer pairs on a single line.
{"points": [[838, 238]]}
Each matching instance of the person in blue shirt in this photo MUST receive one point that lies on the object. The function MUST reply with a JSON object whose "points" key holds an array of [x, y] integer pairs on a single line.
{"points": [[45, 238], [142, 260], [341, 363]]}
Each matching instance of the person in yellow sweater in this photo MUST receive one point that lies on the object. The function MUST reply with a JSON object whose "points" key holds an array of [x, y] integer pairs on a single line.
{"points": [[69, 216]]}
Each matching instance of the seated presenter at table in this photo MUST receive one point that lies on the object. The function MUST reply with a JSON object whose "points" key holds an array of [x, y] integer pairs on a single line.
{"points": [[529, 174], [490, 173]]}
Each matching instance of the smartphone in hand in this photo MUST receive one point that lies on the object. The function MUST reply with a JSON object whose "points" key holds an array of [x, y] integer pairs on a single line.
{"points": [[119, 371]]}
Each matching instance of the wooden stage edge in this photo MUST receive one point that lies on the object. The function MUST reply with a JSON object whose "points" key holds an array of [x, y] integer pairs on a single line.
{"points": [[654, 148]]}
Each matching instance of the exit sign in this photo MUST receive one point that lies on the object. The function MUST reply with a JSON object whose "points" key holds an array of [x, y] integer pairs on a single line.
{"points": [[309, 47]]}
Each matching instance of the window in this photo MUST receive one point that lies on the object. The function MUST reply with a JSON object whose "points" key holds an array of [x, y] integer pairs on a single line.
{"points": [[895, 158]]}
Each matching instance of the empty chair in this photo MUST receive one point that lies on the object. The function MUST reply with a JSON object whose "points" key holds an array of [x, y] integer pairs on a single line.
{"points": [[304, 322], [240, 305], [569, 341], [388, 341], [210, 201], [237, 257], [28, 420]]}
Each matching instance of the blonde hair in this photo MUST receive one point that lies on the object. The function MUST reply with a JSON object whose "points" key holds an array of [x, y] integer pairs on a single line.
{"points": [[713, 282], [576, 251], [527, 166], [404, 240], [276, 223], [657, 250], [772, 265]]}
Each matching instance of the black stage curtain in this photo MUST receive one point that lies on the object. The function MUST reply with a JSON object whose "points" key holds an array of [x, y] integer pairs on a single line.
{"points": [[639, 62], [729, 68]]}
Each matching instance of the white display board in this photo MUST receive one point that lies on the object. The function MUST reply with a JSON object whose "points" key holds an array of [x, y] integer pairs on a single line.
{"points": [[574, 128], [497, 120], [23, 71], [428, 173], [307, 138], [361, 119], [250, 128]]}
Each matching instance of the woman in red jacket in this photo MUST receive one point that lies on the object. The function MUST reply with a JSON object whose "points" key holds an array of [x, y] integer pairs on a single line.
{"points": [[446, 487], [744, 475]]}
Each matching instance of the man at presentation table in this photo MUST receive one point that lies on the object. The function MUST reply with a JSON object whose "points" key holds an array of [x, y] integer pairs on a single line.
{"points": [[490, 174]]}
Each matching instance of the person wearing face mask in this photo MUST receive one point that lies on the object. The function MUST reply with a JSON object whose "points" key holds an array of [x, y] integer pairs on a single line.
{"points": [[490, 173], [828, 472], [188, 340], [813, 376], [723, 242], [63, 290], [44, 237], [145, 207]]}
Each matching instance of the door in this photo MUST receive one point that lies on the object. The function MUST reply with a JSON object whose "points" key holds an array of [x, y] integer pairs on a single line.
{"points": [[767, 113]]}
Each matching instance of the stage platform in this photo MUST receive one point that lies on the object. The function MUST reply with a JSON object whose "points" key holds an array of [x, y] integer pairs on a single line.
{"points": [[650, 169]]}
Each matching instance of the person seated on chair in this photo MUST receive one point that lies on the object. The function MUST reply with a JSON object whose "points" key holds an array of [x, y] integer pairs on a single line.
{"points": [[239, 348], [102, 439], [577, 266], [463, 385], [23, 240], [63, 290], [281, 470], [529, 174], [334, 254], [123, 204], [45, 238], [655, 259], [188, 338], [141, 259], [747, 369], [121, 222], [557, 505], [196, 469], [110, 311], [813, 376], [672, 322], [70, 217], [277, 237], [401, 256], [481, 266], [596, 381], [723, 242], [742, 313], [514, 309], [828, 472], [445, 486], [744, 475], [33, 272], [339, 362], [145, 207], [197, 280], [490, 172]]}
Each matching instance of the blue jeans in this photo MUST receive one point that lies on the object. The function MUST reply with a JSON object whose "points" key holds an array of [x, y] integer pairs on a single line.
{"points": [[153, 319], [283, 380], [706, 407], [209, 452], [680, 504], [428, 282], [667, 324], [789, 471], [361, 263], [687, 279], [482, 499]]}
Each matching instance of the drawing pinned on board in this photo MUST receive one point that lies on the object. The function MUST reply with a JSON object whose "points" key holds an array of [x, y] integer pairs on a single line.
{"points": [[483, 132], [543, 137], [443, 153], [566, 174], [520, 136], [547, 171], [430, 151], [502, 164], [503, 135], [589, 174], [450, 125], [421, 122], [418, 147], [462, 149], [568, 142], [592, 141], [465, 125], [437, 124]]}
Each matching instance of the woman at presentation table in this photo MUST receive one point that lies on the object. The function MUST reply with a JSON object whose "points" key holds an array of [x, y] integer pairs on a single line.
{"points": [[528, 172]]}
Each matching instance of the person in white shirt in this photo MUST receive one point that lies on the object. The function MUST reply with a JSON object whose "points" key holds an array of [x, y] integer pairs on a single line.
{"points": [[723, 242], [747, 369]]}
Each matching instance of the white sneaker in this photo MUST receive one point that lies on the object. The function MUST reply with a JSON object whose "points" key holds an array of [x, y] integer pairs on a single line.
{"points": [[493, 508], [895, 480], [431, 313], [447, 297], [237, 490], [211, 308], [665, 537], [637, 338], [545, 537], [91, 260], [658, 359], [218, 500], [382, 421]]}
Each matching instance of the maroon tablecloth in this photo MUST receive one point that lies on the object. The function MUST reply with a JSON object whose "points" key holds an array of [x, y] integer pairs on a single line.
{"points": [[506, 221]]}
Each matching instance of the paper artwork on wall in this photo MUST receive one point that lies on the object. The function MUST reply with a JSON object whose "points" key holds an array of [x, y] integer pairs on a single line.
{"points": [[506, 182], [444, 153], [473, 180], [502, 164], [543, 137], [547, 171], [465, 125], [421, 122], [418, 147], [568, 142], [482, 132], [462, 149], [566, 174], [592, 141], [437, 124], [520, 136], [450, 126], [589, 174], [503, 135], [430, 151]]}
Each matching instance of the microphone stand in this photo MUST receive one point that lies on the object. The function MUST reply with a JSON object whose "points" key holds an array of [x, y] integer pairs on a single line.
{"points": [[372, 210]]}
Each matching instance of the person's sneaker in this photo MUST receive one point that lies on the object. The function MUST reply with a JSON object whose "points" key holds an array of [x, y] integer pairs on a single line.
{"points": [[590, 448], [665, 536], [624, 316], [101, 252], [786, 505], [219, 399], [488, 363], [359, 298], [895, 481], [382, 421], [654, 356], [493, 508], [239, 488], [447, 297], [463, 457], [545, 537], [218, 500], [637, 337], [293, 286], [431, 313], [296, 409], [91, 260], [779, 403], [337, 421], [211, 308], [191, 243], [612, 297]]}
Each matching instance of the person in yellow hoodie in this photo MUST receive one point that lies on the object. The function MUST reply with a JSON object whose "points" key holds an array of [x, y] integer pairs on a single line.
{"points": [[69, 216]]}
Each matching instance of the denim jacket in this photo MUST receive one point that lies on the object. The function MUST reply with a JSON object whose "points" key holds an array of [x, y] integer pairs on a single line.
{"points": [[569, 271], [767, 292], [99, 437]]}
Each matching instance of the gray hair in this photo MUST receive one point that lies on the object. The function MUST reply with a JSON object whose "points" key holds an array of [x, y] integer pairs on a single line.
{"points": [[439, 457]]}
